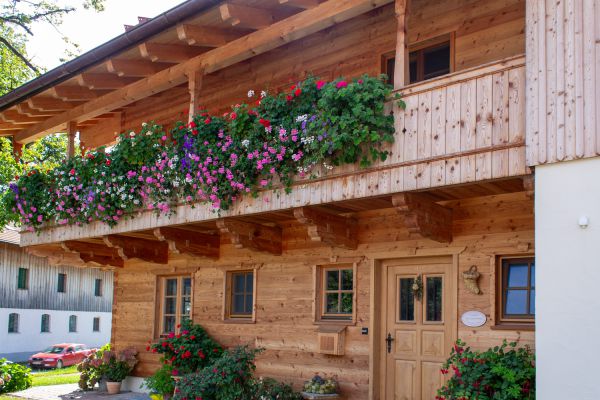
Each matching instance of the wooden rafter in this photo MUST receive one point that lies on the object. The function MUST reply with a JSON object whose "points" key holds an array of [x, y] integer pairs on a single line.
{"points": [[245, 16], [205, 36], [157, 52], [93, 252], [16, 117], [103, 81], [50, 104], [135, 68], [424, 217], [73, 92], [146, 250], [280, 33], [246, 235], [331, 229], [305, 4], [182, 241], [25, 108]]}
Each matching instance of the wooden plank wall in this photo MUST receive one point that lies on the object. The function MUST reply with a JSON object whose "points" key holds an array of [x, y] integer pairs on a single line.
{"points": [[563, 75], [485, 31], [43, 281], [485, 226]]}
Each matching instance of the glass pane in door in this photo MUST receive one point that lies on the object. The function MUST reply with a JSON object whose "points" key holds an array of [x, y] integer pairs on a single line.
{"points": [[406, 300], [433, 299]]}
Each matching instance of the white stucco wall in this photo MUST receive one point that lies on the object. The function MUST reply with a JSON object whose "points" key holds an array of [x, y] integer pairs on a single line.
{"points": [[568, 280], [19, 346]]}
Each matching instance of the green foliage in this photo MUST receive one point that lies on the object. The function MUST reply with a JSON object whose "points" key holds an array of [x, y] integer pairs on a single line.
{"points": [[13, 71], [93, 367], [14, 377], [321, 385], [161, 382], [188, 351], [270, 389], [229, 377], [214, 159], [500, 373]]}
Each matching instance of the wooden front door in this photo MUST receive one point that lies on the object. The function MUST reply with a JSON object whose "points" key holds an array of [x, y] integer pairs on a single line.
{"points": [[419, 329]]}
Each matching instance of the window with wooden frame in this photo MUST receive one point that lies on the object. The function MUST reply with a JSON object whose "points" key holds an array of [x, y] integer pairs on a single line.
{"points": [[516, 291], [23, 279], [240, 295], [336, 293], [174, 303], [428, 59]]}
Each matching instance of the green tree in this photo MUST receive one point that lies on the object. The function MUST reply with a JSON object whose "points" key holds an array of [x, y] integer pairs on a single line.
{"points": [[13, 71]]}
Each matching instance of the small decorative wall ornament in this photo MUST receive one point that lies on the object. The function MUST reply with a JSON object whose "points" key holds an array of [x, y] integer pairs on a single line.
{"points": [[417, 287], [470, 278]]}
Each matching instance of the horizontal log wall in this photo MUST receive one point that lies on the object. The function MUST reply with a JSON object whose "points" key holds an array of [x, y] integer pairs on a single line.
{"points": [[485, 226], [563, 75]]}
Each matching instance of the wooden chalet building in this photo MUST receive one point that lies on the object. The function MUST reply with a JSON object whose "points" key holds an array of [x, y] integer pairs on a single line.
{"points": [[494, 90]]}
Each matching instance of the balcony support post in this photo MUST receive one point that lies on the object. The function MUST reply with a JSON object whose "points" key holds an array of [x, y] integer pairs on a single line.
{"points": [[194, 87], [71, 131], [401, 70]]}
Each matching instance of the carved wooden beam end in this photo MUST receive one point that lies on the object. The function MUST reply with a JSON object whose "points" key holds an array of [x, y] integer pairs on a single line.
{"points": [[182, 241], [330, 229], [94, 253], [143, 249], [246, 235], [424, 217]]}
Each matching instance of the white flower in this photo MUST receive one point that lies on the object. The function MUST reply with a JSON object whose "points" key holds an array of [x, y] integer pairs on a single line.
{"points": [[136, 202], [132, 134], [250, 93], [144, 124], [327, 166], [245, 142], [301, 118], [263, 94]]}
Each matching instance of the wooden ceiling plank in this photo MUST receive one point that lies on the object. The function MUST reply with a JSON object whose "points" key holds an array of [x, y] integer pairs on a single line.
{"points": [[103, 81], [304, 4], [135, 68], [158, 52], [297, 26], [195, 35], [46, 103], [73, 92], [330, 229], [197, 244], [146, 250], [245, 16], [424, 217], [246, 235]]}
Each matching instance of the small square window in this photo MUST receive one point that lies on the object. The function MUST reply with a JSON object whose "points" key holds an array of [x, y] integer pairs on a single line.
{"points": [[335, 293], [23, 279], [240, 295], [516, 291], [96, 324], [62, 283]]}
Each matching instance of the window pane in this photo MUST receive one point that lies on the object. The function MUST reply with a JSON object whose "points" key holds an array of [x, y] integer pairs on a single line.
{"points": [[45, 323], [332, 303], [239, 283], [333, 280], [186, 306], [437, 61], [169, 324], [238, 304], [516, 302], [346, 279], [433, 310], [517, 275], [96, 324], [187, 286], [412, 66], [248, 306], [532, 275], [389, 69], [407, 300], [249, 282], [170, 305], [72, 323], [22, 278], [171, 287], [346, 303], [13, 323], [532, 302], [62, 282], [98, 287]]}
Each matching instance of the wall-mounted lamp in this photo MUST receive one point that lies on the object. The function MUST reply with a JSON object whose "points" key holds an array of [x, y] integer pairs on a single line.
{"points": [[583, 222]]}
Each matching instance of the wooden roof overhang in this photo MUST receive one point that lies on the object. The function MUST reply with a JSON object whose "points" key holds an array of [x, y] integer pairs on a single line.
{"points": [[89, 93]]}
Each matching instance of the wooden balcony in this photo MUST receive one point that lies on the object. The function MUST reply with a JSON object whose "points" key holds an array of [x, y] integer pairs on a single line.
{"points": [[465, 127]]}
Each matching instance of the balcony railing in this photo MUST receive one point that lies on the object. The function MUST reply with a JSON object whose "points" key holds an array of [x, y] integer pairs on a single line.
{"points": [[464, 127]]}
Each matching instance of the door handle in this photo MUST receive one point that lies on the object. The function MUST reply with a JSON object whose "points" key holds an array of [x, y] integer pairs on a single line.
{"points": [[389, 341]]}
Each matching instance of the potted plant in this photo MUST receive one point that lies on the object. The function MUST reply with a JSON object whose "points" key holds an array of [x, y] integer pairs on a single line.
{"points": [[320, 388], [118, 368]]}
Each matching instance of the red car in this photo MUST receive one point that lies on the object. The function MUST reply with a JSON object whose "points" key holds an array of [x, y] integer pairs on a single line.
{"points": [[60, 355]]}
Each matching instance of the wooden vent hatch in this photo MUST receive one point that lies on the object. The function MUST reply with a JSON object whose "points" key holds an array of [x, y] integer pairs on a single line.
{"points": [[331, 340]]}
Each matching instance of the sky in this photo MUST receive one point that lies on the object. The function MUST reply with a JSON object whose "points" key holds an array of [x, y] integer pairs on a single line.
{"points": [[89, 28]]}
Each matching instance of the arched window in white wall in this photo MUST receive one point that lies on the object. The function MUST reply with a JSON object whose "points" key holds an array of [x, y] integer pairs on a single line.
{"points": [[73, 323], [45, 323], [13, 323]]}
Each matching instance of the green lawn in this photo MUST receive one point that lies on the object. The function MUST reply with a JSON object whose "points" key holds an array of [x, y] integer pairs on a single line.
{"points": [[56, 377]]}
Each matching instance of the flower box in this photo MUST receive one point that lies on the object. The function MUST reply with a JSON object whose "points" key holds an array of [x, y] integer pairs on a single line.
{"points": [[315, 396]]}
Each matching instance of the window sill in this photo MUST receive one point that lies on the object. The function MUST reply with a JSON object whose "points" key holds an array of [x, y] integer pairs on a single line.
{"points": [[334, 322], [513, 327], [239, 321]]}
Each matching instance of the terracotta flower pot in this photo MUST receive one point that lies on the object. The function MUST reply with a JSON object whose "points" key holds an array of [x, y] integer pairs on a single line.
{"points": [[113, 387]]}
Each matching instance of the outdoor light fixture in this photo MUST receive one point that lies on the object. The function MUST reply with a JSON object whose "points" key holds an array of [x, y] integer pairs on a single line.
{"points": [[584, 222]]}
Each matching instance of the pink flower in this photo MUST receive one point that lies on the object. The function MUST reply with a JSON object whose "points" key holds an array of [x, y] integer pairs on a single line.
{"points": [[264, 182], [320, 84], [341, 84]]}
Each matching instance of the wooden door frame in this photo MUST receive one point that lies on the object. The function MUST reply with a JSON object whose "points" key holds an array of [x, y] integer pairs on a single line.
{"points": [[376, 321]]}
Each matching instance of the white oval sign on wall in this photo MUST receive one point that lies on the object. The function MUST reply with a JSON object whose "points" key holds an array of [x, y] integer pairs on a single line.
{"points": [[473, 319]]}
